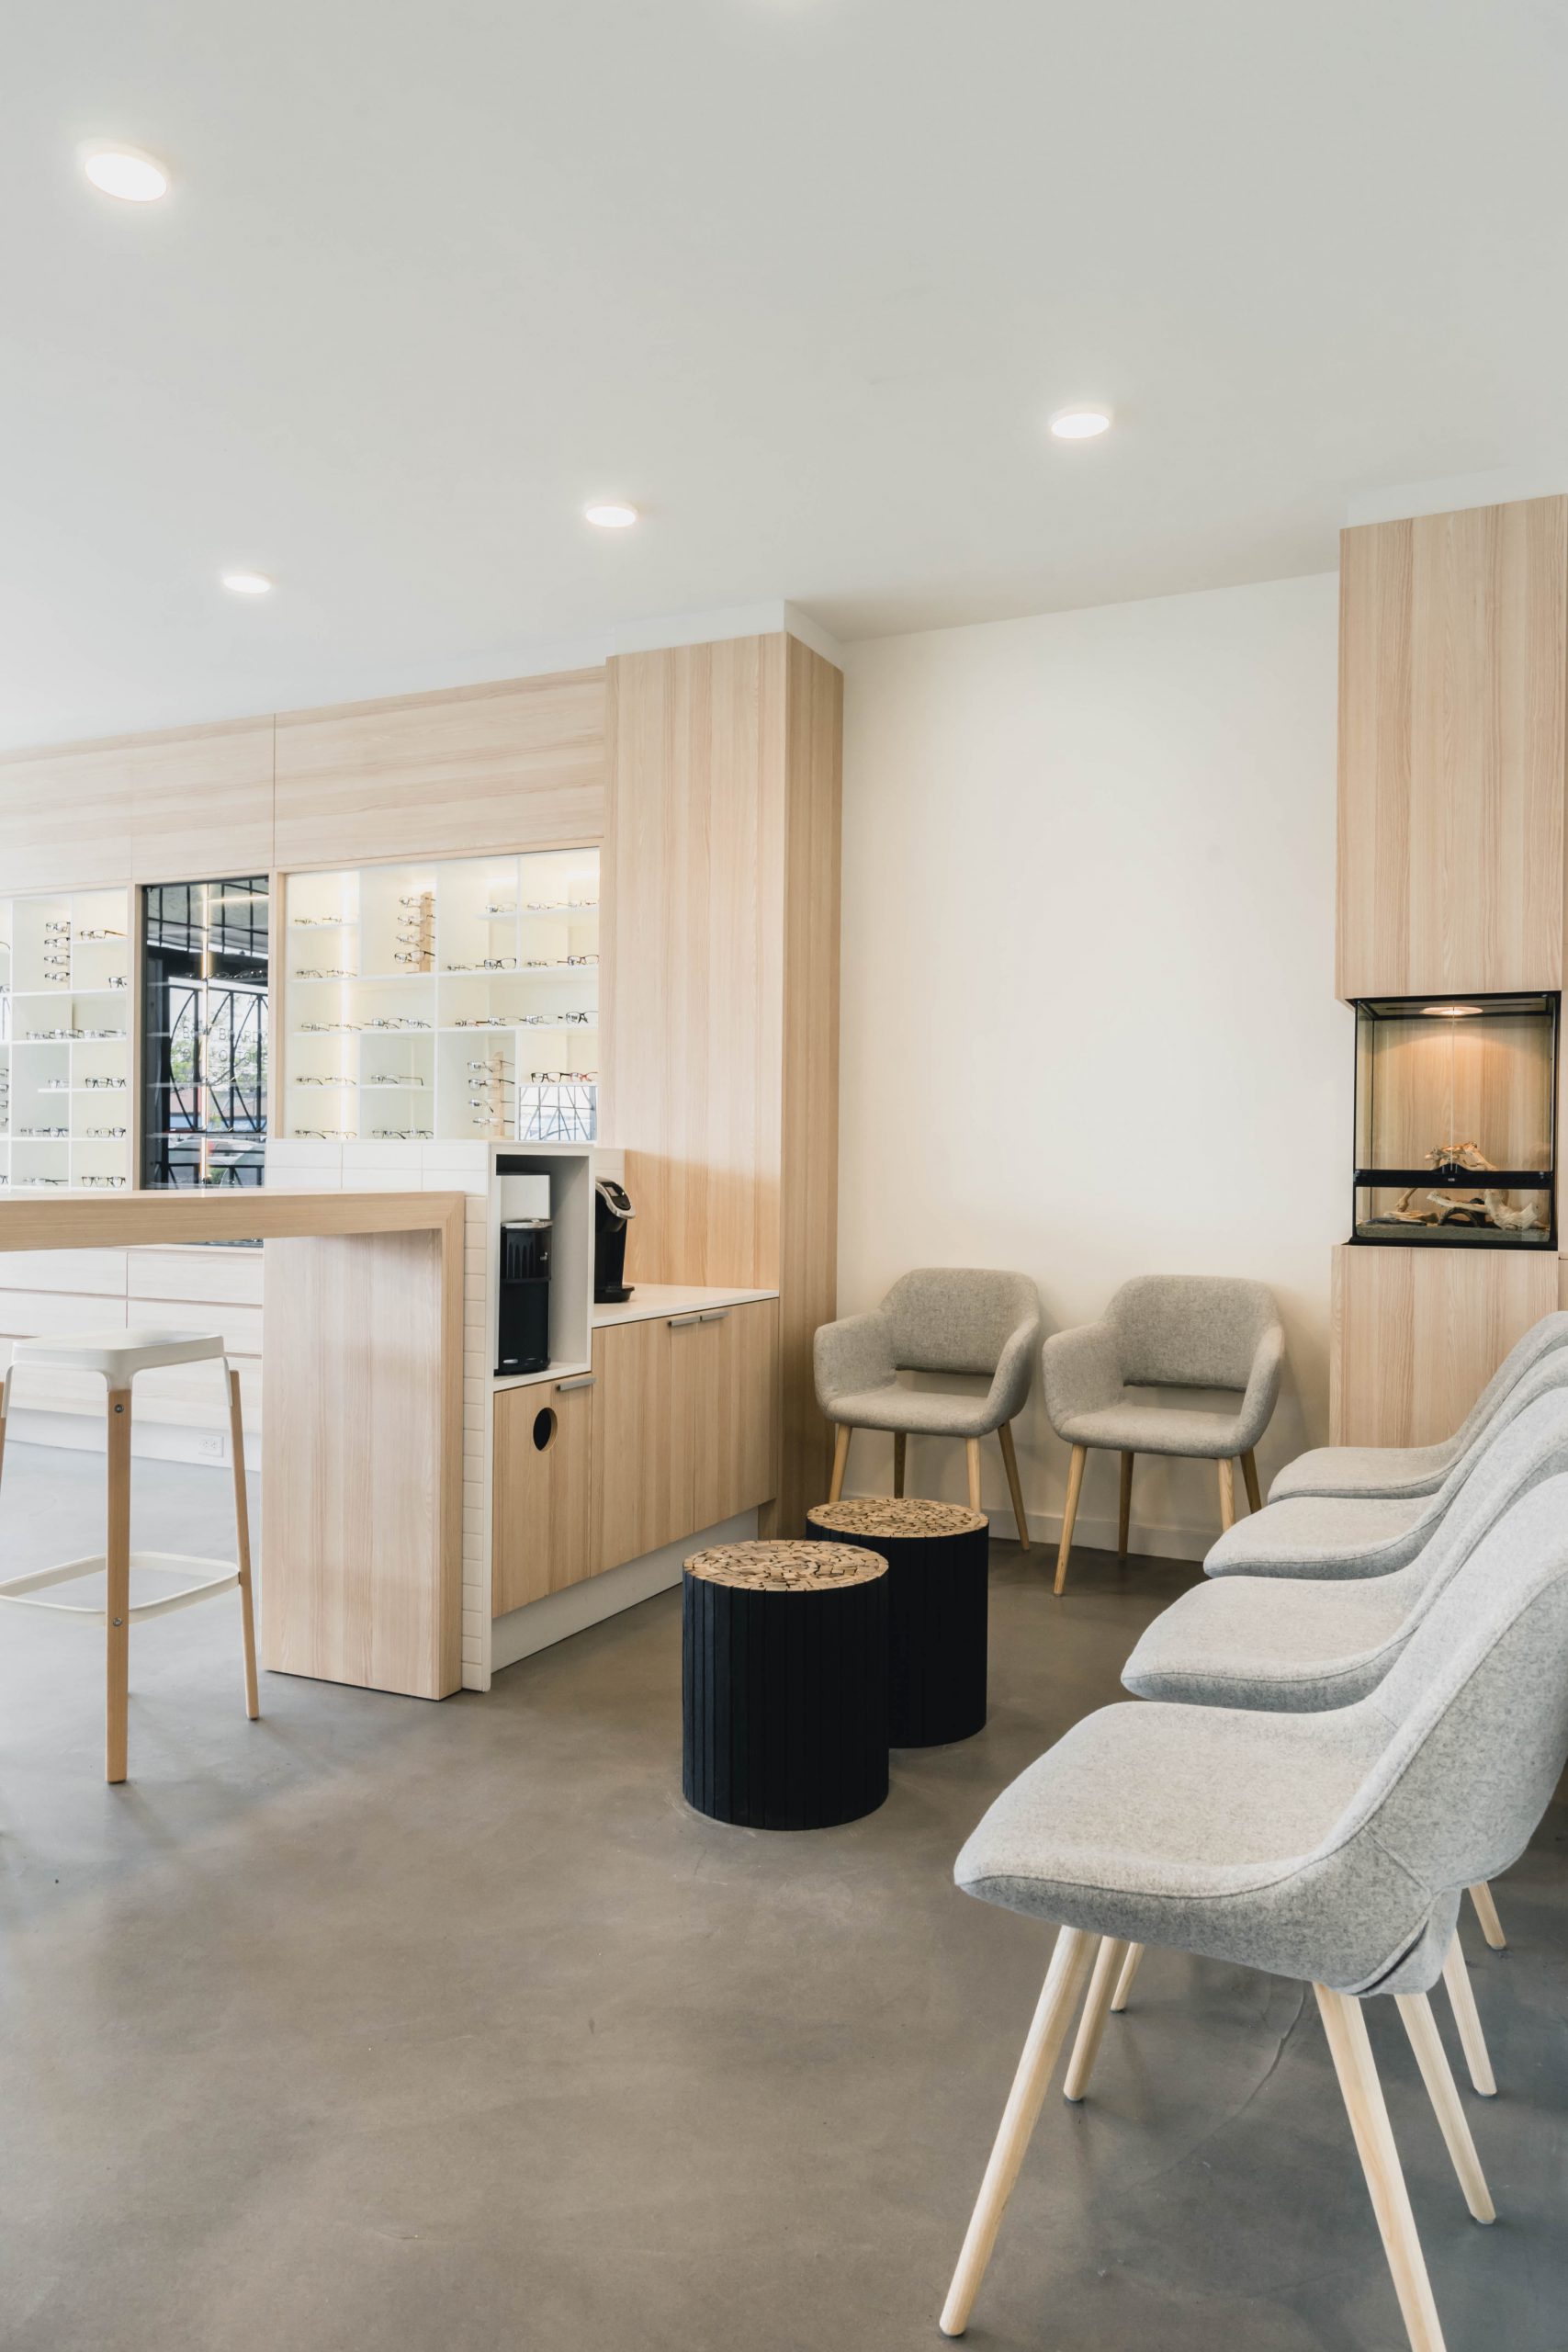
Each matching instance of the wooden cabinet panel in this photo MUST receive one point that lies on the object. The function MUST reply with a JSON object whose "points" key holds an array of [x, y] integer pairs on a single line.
{"points": [[519, 764], [1418, 1333], [231, 1277], [542, 1508], [65, 818], [201, 803], [734, 1360], [642, 1438], [102, 1271], [1453, 668]]}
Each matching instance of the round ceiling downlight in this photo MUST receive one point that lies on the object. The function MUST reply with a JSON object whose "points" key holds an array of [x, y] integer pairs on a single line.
{"points": [[246, 583], [1080, 424], [126, 173], [611, 514]]}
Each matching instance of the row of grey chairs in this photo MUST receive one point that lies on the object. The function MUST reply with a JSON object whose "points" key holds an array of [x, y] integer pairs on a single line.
{"points": [[1326, 1758]]}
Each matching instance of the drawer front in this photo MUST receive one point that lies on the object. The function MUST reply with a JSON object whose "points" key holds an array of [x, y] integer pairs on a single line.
{"points": [[542, 1506], [735, 1433], [643, 1437]]}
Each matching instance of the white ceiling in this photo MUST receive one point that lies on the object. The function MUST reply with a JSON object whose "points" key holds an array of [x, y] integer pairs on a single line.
{"points": [[801, 278]]}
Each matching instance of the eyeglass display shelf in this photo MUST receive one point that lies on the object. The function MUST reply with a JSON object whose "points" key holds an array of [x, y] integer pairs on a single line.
{"points": [[86, 932]]}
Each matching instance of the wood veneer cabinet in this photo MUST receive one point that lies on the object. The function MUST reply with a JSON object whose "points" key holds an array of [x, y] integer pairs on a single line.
{"points": [[1417, 1334], [543, 1515], [1453, 751]]}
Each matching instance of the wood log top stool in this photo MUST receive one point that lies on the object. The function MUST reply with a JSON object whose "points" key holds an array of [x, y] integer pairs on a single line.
{"points": [[785, 1684], [938, 1558]]}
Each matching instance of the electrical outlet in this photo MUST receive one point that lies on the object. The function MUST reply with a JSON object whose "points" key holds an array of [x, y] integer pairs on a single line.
{"points": [[210, 1445]]}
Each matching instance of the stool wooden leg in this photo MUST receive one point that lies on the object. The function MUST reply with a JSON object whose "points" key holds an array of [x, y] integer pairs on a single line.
{"points": [[1486, 1912], [972, 1461], [1249, 1472], [900, 1449], [1352, 2053], [1108, 1966], [1059, 1999], [1009, 1463], [841, 1436], [1075, 1483], [243, 1533], [117, 1562], [1227, 1493], [1124, 1509]]}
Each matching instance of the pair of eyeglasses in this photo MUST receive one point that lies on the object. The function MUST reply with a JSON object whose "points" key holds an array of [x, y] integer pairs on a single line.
{"points": [[486, 1021], [301, 1078], [323, 1135], [403, 1134], [106, 1085], [306, 973], [100, 934], [581, 959], [562, 1077], [102, 1183], [389, 1081], [57, 929], [105, 1134]]}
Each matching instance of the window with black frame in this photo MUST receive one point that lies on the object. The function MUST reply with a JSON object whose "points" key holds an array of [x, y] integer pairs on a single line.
{"points": [[204, 1036]]}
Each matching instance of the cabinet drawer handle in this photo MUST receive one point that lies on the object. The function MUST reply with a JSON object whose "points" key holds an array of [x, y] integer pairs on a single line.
{"points": [[714, 1315], [583, 1380], [683, 1322]]}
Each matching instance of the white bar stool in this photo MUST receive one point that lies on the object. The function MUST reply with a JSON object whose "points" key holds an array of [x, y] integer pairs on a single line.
{"points": [[119, 1356]]}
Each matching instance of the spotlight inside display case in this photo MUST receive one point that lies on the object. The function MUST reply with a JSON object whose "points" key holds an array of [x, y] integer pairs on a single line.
{"points": [[1456, 1121]]}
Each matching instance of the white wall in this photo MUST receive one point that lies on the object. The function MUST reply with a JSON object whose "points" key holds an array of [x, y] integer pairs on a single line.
{"points": [[1089, 1028]]}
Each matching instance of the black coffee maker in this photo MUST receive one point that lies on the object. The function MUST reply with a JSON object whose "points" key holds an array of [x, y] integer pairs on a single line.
{"points": [[611, 1214]]}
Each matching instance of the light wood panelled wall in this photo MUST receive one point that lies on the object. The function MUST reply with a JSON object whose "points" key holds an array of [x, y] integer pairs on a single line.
{"points": [[1452, 745], [65, 818], [201, 803], [721, 865], [1418, 1333], [517, 765]]}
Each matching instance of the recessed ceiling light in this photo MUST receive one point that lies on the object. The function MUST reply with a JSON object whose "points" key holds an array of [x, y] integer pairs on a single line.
{"points": [[611, 514], [247, 583], [1080, 424], [125, 172]]}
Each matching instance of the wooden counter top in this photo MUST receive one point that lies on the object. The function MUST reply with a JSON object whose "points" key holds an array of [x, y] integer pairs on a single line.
{"points": [[648, 1299], [235, 1213]]}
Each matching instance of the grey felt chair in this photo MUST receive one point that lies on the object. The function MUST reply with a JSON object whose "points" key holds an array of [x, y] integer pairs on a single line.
{"points": [[937, 1319], [1354, 1536], [1404, 1471], [1166, 1332], [1331, 1848]]}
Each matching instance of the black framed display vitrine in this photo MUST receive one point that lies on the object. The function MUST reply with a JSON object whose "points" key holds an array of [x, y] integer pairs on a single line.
{"points": [[1456, 1121], [204, 1044]]}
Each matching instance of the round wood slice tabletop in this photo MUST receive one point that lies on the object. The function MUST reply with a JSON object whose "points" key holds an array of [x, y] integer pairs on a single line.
{"points": [[786, 1566], [896, 1516]]}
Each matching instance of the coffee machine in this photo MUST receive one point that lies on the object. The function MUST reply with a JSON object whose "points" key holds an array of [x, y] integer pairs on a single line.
{"points": [[612, 1213], [523, 1292]]}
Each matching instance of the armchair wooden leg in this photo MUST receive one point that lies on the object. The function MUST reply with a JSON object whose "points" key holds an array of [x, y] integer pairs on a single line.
{"points": [[1075, 1483], [1227, 1493], [1456, 1976], [1347, 2030], [1124, 1512], [1249, 1472], [1124, 1982], [1059, 1999], [1108, 1967], [901, 1447], [841, 1436], [1009, 1463], [972, 1459], [1416, 2010], [1486, 1912]]}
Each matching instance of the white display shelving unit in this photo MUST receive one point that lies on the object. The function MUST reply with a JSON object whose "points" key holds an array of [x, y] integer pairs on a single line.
{"points": [[66, 1109], [428, 1003]]}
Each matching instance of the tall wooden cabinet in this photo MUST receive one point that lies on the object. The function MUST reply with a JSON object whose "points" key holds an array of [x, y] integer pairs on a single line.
{"points": [[1453, 783]]}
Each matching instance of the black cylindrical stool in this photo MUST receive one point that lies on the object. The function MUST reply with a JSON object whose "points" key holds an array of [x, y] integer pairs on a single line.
{"points": [[785, 1684], [937, 1556]]}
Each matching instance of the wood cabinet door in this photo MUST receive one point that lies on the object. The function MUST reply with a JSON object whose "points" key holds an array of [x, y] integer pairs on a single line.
{"points": [[734, 1398], [642, 1436], [542, 1506]]}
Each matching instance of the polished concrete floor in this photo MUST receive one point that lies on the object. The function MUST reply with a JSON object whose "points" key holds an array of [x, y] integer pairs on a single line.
{"points": [[449, 2028]]}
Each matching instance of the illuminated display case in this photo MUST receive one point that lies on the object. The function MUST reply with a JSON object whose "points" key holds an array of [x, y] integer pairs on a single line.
{"points": [[65, 1100], [1456, 1121]]}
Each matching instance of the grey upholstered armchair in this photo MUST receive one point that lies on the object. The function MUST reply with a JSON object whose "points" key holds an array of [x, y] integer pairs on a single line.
{"points": [[940, 1319], [1166, 1332]]}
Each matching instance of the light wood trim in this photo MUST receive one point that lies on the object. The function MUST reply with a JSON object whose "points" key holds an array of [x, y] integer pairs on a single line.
{"points": [[243, 1539], [116, 1583], [1456, 1976], [1074, 1487], [1452, 750], [1109, 1963], [1347, 2030], [134, 1219], [1416, 2011], [1414, 1335], [1124, 1507], [542, 1510], [456, 774], [1015, 1488], [1124, 1982], [1059, 1999], [1486, 1912]]}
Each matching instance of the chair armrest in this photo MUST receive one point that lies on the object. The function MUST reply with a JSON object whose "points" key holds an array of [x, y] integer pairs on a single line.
{"points": [[1262, 1387], [1015, 1369], [853, 1354], [1081, 1372]]}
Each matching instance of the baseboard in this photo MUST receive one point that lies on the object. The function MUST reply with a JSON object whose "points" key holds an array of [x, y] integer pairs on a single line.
{"points": [[1157, 1543], [522, 1632]]}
